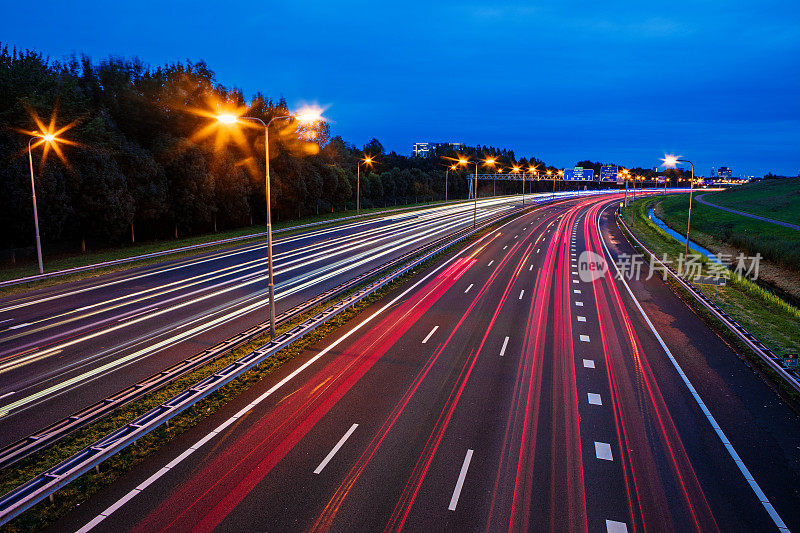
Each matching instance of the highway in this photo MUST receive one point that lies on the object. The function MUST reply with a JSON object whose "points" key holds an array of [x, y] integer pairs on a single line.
{"points": [[66, 347], [502, 389]]}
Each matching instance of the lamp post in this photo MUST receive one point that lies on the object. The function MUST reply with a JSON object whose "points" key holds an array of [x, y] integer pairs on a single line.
{"points": [[560, 172], [46, 138], [672, 161], [489, 161], [305, 117], [366, 161], [446, 176]]}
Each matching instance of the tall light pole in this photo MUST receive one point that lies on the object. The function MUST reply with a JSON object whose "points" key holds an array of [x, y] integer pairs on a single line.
{"points": [[47, 138], [560, 172], [672, 161], [308, 116], [489, 161], [446, 176], [366, 161]]}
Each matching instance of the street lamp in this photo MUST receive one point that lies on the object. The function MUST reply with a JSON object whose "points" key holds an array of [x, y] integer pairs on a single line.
{"points": [[489, 161], [40, 138], [305, 116], [366, 161], [446, 176], [672, 161]]}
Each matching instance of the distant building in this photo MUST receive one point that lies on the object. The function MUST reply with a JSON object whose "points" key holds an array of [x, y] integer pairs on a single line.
{"points": [[425, 149], [724, 173]]}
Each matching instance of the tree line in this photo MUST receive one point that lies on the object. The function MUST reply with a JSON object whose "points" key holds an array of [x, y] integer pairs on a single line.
{"points": [[150, 163]]}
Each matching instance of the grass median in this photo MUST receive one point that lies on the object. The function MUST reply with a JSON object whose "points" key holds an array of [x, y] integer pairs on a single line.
{"points": [[772, 320], [46, 513]]}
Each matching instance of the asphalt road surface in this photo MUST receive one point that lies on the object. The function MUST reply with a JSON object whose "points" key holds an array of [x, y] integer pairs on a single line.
{"points": [[507, 388], [66, 347]]}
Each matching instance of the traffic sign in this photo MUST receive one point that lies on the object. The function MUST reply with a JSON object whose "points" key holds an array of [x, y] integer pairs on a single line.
{"points": [[608, 173], [790, 360], [578, 174]]}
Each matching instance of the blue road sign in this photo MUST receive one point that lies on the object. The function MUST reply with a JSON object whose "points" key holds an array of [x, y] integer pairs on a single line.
{"points": [[608, 173], [578, 174]]}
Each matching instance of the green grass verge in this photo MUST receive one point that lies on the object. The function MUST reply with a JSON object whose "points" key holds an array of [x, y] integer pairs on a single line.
{"points": [[110, 254], [778, 199], [46, 513], [775, 243], [772, 320]]}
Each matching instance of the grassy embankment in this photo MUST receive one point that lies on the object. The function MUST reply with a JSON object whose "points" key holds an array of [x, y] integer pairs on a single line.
{"points": [[46, 513], [772, 320], [778, 199], [66, 261]]}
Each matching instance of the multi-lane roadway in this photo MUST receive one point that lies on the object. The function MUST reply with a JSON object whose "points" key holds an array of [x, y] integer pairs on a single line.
{"points": [[507, 388], [71, 345]]}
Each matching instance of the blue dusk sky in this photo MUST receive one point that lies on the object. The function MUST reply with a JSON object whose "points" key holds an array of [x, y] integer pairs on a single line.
{"points": [[624, 82]]}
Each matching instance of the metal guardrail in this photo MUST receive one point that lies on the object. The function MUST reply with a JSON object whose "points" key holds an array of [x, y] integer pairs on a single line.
{"points": [[43, 485], [767, 355]]}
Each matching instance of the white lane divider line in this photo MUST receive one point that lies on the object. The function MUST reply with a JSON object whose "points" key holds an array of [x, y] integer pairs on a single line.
{"points": [[579, 304], [460, 482], [503, 349], [537, 250], [574, 281], [603, 451], [515, 236], [594, 399], [521, 293], [504, 247], [531, 268], [468, 288], [588, 363], [425, 340], [335, 449], [490, 263], [577, 291], [584, 338], [20, 325], [612, 526], [574, 272], [581, 318], [7, 394], [123, 319]]}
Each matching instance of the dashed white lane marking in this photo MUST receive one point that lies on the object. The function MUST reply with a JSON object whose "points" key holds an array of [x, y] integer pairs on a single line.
{"points": [[577, 291], [612, 526], [7, 394], [123, 319], [503, 349], [335, 449], [574, 272], [579, 304], [531, 268], [574, 281], [603, 451], [581, 318], [537, 250], [515, 236], [584, 338], [20, 325], [425, 340], [594, 399], [521, 293], [460, 483], [504, 247], [468, 288], [588, 363], [492, 261]]}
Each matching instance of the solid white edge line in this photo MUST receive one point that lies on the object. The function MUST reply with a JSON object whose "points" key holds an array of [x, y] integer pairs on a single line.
{"points": [[425, 340], [717, 429], [460, 483], [335, 449], [102, 516]]}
